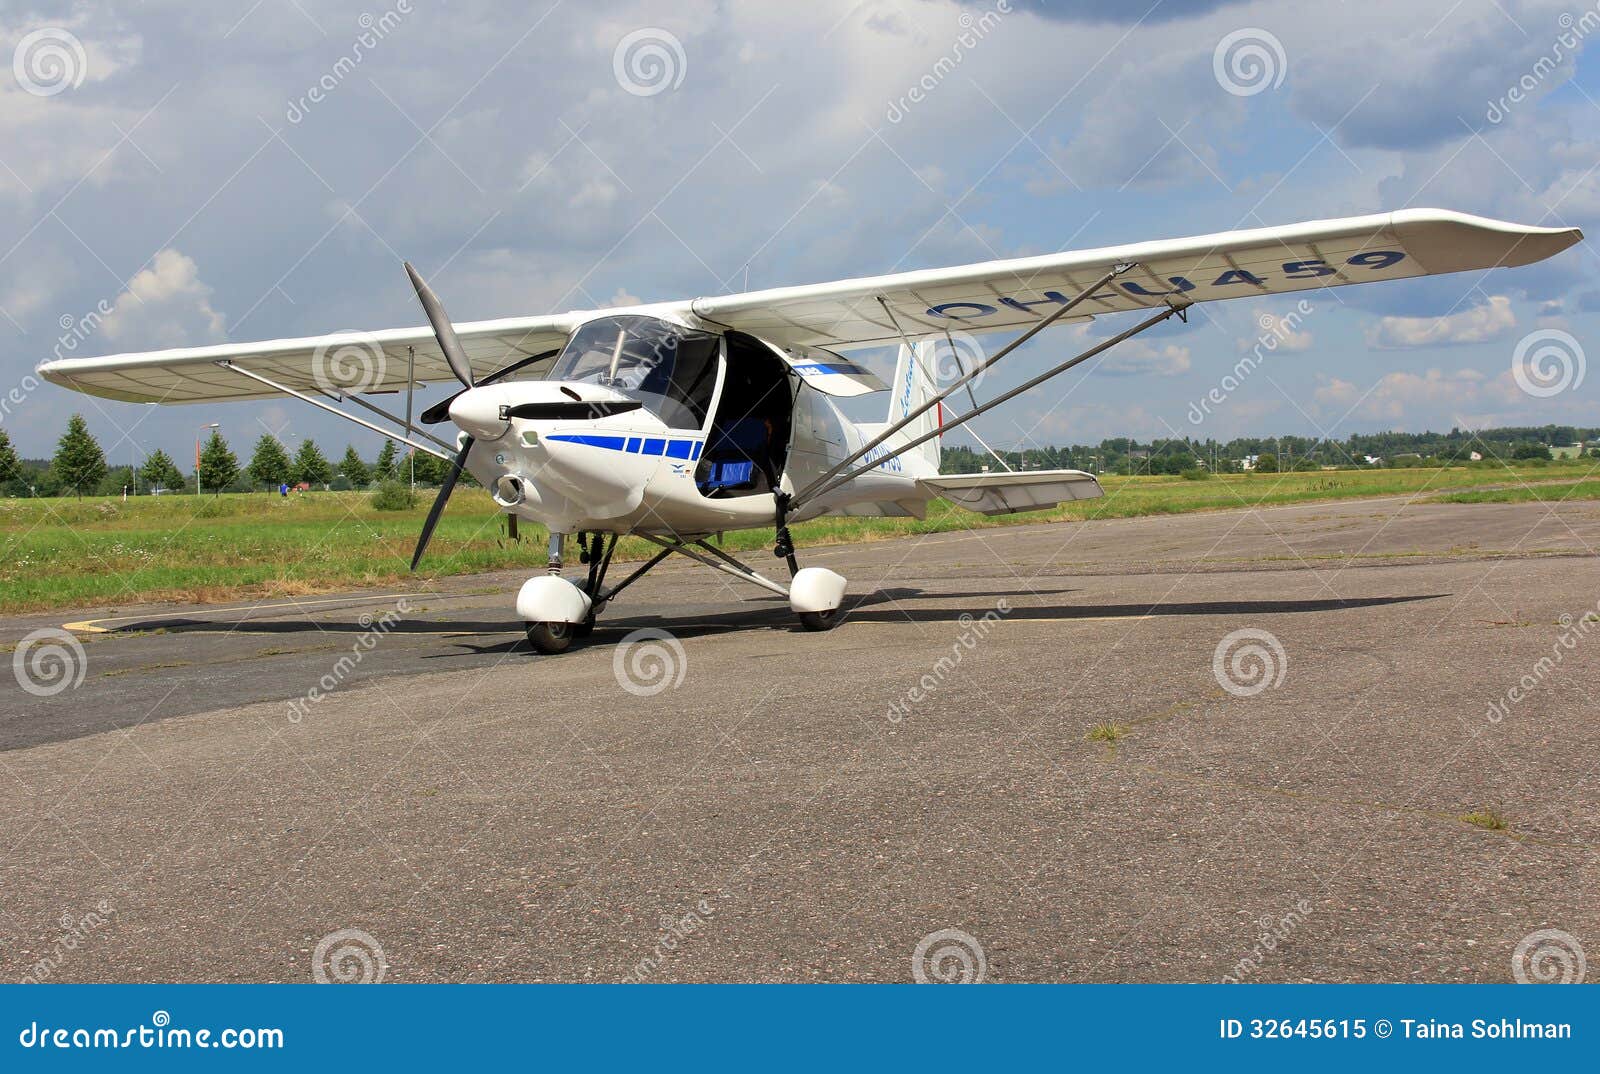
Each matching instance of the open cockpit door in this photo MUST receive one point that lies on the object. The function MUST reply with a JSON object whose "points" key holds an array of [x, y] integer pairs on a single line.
{"points": [[828, 372]]}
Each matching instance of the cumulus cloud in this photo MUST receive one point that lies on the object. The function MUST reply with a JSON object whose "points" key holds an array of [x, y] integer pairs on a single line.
{"points": [[1136, 357], [165, 305], [1412, 81], [1478, 325], [1394, 393], [1288, 330], [543, 185]]}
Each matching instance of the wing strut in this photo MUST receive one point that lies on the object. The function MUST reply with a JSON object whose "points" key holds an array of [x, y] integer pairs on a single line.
{"points": [[827, 481], [1176, 305], [340, 397], [955, 352], [330, 408]]}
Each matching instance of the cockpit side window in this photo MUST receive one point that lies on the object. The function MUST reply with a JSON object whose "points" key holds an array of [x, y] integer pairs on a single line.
{"points": [[670, 369]]}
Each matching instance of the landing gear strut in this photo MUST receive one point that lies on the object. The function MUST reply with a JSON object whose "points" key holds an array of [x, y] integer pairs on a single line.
{"points": [[557, 610], [554, 610]]}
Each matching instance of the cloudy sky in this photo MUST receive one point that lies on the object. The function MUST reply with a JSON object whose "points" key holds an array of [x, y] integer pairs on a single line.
{"points": [[171, 164]]}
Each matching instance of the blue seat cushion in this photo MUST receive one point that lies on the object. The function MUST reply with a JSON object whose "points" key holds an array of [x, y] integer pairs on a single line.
{"points": [[729, 475]]}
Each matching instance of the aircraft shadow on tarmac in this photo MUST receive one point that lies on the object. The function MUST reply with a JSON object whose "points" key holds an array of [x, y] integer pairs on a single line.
{"points": [[868, 610], [883, 606]]}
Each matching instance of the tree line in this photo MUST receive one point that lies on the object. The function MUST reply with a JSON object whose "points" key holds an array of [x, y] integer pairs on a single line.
{"points": [[79, 468], [1130, 455]]}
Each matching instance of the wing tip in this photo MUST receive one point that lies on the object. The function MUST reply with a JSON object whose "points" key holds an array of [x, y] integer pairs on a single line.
{"points": [[1448, 241]]}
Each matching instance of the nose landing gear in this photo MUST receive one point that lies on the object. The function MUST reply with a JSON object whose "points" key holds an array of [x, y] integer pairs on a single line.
{"points": [[555, 610]]}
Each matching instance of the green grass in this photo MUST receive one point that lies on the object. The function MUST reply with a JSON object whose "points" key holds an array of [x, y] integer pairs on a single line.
{"points": [[63, 553], [1486, 818], [1580, 490], [1109, 732]]}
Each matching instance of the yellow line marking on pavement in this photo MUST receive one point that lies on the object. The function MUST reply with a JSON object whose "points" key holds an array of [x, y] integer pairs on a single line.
{"points": [[91, 626]]}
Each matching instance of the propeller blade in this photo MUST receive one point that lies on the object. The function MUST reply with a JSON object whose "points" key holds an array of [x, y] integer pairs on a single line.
{"points": [[437, 509], [442, 329], [511, 527]]}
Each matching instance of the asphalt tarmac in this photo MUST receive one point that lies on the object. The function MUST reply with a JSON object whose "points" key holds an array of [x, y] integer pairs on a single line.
{"points": [[1051, 738]]}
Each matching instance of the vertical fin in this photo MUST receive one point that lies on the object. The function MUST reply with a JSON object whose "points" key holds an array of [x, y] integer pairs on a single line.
{"points": [[915, 383]]}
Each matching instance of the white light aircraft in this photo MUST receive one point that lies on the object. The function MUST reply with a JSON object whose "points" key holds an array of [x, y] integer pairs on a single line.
{"points": [[675, 421]]}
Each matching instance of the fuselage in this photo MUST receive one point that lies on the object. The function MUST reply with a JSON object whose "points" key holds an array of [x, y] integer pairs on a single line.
{"points": [[654, 425]]}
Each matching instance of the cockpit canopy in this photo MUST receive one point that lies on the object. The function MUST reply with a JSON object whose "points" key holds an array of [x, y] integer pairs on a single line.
{"points": [[670, 369]]}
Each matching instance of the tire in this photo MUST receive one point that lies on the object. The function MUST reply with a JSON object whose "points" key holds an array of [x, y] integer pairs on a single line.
{"points": [[585, 628], [551, 637], [819, 620]]}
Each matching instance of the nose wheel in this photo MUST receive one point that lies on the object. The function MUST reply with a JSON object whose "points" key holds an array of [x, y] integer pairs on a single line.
{"points": [[554, 638]]}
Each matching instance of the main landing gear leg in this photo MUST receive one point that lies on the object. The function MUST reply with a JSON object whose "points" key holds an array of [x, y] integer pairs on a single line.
{"points": [[815, 593], [594, 550]]}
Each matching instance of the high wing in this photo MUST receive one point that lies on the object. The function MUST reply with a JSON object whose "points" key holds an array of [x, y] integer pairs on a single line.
{"points": [[970, 298], [366, 362], [1232, 264]]}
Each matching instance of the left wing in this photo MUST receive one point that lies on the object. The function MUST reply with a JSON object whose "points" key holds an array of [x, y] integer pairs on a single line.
{"points": [[1232, 264], [364, 362]]}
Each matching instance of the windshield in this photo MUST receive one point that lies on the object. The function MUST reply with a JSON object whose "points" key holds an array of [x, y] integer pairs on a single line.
{"points": [[670, 369]]}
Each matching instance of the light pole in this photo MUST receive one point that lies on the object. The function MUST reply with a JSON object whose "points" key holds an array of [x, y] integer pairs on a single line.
{"points": [[214, 425]]}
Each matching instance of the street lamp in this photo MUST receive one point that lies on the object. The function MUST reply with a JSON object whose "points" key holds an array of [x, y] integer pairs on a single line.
{"points": [[203, 428]]}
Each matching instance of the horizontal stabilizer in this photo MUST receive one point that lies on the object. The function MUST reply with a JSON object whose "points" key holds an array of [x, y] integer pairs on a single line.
{"points": [[1007, 493]]}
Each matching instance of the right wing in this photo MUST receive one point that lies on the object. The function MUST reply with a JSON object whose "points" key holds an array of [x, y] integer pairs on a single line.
{"points": [[1015, 294]]}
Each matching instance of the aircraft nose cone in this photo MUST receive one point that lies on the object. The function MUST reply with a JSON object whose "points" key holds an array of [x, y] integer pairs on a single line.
{"points": [[478, 412]]}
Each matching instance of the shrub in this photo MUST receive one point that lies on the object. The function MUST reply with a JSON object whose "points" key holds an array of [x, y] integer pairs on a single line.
{"points": [[393, 496], [1195, 474]]}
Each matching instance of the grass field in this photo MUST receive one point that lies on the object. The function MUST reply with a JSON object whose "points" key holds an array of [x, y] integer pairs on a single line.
{"points": [[65, 553], [1577, 490]]}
